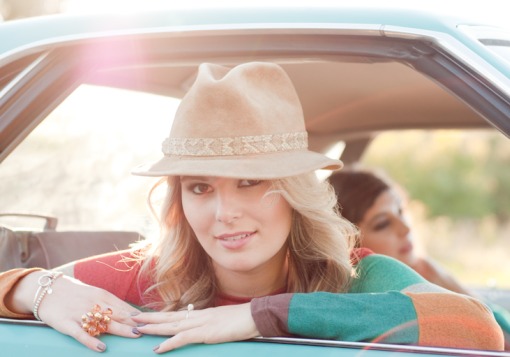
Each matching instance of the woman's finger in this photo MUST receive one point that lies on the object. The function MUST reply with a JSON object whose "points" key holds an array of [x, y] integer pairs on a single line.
{"points": [[180, 340], [123, 313], [160, 317], [121, 310], [213, 325], [75, 331], [117, 323], [120, 329], [169, 328]]}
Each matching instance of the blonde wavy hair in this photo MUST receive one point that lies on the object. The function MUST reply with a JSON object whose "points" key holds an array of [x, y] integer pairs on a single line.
{"points": [[319, 246]]}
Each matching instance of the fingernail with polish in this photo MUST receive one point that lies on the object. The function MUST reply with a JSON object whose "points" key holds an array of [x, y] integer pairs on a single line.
{"points": [[155, 348], [101, 347], [134, 313], [140, 325], [135, 331]]}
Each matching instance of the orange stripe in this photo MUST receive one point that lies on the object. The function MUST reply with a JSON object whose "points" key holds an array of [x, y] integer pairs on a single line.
{"points": [[454, 320]]}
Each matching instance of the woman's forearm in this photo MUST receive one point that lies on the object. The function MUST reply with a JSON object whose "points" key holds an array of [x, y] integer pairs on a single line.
{"points": [[17, 291]]}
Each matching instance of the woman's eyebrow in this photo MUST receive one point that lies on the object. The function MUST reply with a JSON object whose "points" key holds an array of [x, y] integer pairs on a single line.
{"points": [[376, 216], [197, 178]]}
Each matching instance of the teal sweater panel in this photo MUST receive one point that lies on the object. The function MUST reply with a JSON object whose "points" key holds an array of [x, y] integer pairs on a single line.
{"points": [[375, 301]]}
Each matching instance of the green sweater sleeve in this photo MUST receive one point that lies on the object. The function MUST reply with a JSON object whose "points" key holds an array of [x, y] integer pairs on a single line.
{"points": [[373, 310], [379, 273], [383, 317], [388, 303]]}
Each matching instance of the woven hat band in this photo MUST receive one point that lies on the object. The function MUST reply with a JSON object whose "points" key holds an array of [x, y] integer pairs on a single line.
{"points": [[230, 146]]}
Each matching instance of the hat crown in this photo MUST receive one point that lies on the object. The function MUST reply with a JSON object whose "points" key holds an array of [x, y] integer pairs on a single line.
{"points": [[251, 99], [242, 122]]}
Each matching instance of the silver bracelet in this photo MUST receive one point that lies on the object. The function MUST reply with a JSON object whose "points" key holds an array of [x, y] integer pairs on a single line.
{"points": [[45, 281]]}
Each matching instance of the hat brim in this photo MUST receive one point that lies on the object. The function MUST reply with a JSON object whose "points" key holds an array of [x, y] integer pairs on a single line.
{"points": [[267, 166]]}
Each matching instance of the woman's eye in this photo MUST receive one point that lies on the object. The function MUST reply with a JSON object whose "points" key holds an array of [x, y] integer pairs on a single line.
{"points": [[381, 225], [200, 188], [247, 183]]}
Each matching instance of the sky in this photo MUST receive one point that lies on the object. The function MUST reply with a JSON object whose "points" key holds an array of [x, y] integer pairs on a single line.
{"points": [[490, 11]]}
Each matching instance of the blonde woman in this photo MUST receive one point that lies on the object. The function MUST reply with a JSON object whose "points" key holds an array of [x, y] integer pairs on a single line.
{"points": [[251, 244]]}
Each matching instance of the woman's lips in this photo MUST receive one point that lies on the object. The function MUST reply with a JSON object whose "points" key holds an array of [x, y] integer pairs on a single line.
{"points": [[406, 249], [235, 240]]}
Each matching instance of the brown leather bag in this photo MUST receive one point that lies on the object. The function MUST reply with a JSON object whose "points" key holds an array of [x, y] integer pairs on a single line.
{"points": [[49, 249]]}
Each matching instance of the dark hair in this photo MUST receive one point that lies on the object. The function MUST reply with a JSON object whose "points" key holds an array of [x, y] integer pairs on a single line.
{"points": [[356, 192]]}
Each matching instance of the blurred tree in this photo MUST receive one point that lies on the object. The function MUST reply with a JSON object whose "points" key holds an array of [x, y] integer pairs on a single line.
{"points": [[497, 167], [16, 9], [453, 173]]}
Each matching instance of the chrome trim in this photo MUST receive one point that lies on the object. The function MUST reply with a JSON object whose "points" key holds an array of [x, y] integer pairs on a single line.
{"points": [[381, 346], [22, 74], [4, 320], [200, 30], [455, 47], [446, 41]]}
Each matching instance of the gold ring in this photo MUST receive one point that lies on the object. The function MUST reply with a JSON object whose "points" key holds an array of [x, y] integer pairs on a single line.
{"points": [[95, 322], [190, 308]]}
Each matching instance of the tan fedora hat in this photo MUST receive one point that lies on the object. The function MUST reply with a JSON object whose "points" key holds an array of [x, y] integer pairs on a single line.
{"points": [[241, 122]]}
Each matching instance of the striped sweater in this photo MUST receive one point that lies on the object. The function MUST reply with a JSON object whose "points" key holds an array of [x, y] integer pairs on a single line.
{"points": [[387, 302]]}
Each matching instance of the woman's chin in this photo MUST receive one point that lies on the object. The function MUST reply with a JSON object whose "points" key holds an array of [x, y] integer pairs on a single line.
{"points": [[408, 258], [238, 266]]}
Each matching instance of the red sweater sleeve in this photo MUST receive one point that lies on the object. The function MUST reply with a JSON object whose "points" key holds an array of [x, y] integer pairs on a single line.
{"points": [[117, 273]]}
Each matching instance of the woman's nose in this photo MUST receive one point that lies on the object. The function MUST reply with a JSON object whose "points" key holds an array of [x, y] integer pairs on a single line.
{"points": [[404, 227], [227, 208]]}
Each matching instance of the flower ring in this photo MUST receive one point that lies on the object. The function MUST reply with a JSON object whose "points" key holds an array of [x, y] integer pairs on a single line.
{"points": [[95, 322]]}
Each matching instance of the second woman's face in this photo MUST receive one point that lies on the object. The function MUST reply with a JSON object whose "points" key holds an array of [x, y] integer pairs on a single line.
{"points": [[240, 227], [385, 230]]}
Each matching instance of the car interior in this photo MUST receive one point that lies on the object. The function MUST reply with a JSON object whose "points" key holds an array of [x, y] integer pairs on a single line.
{"points": [[352, 89]]}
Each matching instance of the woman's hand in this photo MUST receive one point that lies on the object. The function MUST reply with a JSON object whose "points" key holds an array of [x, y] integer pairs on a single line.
{"points": [[213, 325], [69, 300]]}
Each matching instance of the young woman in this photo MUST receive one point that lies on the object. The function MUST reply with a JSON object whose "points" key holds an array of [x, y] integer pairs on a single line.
{"points": [[374, 204], [251, 244]]}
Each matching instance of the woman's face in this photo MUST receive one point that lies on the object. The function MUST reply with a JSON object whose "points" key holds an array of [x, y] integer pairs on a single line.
{"points": [[384, 229], [240, 228]]}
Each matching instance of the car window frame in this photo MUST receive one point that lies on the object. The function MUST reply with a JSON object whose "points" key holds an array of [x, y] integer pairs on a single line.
{"points": [[64, 67]]}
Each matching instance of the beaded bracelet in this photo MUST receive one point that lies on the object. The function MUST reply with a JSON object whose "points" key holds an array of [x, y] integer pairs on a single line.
{"points": [[45, 282]]}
